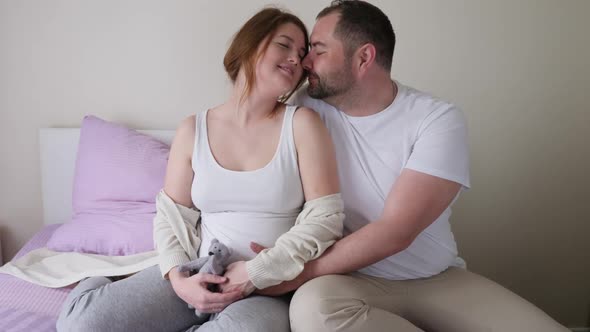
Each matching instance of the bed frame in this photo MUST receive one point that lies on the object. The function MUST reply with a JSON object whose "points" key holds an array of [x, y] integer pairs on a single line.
{"points": [[58, 149]]}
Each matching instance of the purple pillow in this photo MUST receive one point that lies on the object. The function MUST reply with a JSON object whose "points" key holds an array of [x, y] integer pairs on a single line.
{"points": [[118, 174]]}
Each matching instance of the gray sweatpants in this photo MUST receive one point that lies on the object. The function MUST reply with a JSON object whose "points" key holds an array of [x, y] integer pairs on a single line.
{"points": [[146, 302]]}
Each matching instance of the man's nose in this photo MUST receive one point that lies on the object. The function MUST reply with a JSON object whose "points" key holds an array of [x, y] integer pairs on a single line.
{"points": [[306, 62]]}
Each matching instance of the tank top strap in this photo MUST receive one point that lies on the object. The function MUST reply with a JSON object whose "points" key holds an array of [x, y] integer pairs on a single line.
{"points": [[288, 149], [200, 147]]}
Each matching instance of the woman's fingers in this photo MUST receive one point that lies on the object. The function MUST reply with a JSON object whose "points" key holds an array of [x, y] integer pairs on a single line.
{"points": [[210, 302], [209, 278], [222, 299], [212, 309], [216, 310], [216, 302]]}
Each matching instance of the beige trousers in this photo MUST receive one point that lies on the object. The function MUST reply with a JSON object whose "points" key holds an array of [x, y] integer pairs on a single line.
{"points": [[453, 301]]}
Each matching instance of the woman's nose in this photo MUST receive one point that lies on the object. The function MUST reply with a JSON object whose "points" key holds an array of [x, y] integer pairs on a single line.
{"points": [[294, 59]]}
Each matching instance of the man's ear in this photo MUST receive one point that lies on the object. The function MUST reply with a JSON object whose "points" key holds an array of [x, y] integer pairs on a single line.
{"points": [[365, 57]]}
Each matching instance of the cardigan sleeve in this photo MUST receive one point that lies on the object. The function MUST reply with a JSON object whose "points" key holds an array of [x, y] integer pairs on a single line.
{"points": [[318, 226], [176, 233]]}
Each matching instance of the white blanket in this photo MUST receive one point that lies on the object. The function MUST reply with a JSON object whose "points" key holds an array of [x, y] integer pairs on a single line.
{"points": [[176, 235]]}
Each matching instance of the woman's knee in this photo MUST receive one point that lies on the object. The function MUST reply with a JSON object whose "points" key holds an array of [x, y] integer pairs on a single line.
{"points": [[256, 313], [82, 308], [77, 317]]}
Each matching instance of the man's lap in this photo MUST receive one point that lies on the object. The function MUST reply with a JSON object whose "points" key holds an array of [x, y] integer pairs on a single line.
{"points": [[455, 300]]}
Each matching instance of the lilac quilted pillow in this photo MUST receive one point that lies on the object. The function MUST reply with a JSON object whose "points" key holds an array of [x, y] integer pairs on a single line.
{"points": [[118, 175]]}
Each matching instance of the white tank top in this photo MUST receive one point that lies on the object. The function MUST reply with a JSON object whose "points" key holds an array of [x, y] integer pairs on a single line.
{"points": [[238, 207]]}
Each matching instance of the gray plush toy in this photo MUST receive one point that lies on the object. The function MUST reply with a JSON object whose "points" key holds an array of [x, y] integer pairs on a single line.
{"points": [[215, 263]]}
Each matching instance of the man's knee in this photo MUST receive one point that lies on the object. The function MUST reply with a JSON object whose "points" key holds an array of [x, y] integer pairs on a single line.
{"points": [[310, 293], [498, 309], [313, 303]]}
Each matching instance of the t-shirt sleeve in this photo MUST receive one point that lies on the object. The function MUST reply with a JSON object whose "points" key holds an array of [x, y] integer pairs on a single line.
{"points": [[441, 148]]}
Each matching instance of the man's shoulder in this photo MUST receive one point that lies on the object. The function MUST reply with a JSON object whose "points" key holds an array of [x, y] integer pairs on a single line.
{"points": [[425, 105]]}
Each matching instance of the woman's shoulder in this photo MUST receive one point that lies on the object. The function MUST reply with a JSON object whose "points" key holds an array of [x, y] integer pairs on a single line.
{"points": [[307, 122], [306, 117], [185, 133], [187, 126], [308, 127]]}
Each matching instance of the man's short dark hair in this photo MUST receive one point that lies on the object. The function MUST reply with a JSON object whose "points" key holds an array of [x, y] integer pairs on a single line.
{"points": [[360, 23]]}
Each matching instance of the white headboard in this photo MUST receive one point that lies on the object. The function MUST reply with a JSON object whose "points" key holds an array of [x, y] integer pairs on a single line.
{"points": [[58, 148]]}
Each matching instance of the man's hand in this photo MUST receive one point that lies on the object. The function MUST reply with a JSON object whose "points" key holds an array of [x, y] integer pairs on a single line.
{"points": [[193, 290], [256, 247], [237, 279]]}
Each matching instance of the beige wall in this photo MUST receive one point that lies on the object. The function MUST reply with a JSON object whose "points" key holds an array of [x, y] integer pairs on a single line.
{"points": [[519, 70]]}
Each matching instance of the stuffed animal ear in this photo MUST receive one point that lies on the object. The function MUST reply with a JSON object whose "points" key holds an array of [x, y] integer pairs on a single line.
{"points": [[214, 241]]}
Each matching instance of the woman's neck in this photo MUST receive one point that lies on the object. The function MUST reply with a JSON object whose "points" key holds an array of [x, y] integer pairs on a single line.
{"points": [[252, 108]]}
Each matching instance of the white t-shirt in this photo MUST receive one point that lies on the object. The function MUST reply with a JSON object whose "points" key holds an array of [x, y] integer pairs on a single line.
{"points": [[417, 131]]}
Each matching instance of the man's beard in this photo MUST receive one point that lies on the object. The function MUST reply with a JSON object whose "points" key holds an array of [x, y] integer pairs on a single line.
{"points": [[324, 87]]}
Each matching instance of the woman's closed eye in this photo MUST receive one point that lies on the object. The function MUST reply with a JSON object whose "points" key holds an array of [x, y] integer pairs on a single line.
{"points": [[288, 47]]}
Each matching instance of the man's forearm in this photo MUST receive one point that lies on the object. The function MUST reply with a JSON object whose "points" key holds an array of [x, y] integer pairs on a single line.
{"points": [[362, 248]]}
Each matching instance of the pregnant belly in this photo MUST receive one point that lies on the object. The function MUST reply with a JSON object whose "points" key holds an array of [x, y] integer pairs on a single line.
{"points": [[237, 230]]}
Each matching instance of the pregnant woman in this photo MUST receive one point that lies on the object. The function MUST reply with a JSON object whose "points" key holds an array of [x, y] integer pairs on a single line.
{"points": [[252, 169]]}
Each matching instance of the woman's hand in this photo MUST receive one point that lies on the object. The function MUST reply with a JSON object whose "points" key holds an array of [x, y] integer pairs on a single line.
{"points": [[193, 290], [237, 279]]}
